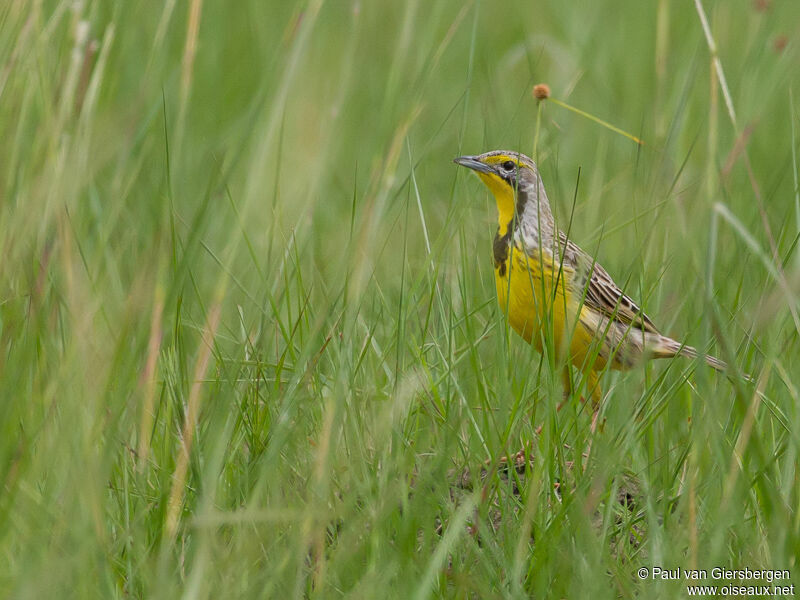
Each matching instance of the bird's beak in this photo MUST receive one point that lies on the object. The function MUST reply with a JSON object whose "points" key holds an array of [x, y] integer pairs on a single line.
{"points": [[473, 163]]}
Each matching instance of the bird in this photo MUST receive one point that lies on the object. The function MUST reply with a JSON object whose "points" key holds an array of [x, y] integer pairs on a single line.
{"points": [[551, 289]]}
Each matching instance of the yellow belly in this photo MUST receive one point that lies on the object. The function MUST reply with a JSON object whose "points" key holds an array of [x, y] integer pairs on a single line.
{"points": [[540, 307]]}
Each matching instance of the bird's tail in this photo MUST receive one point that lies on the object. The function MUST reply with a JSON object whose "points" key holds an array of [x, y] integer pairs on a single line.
{"points": [[667, 348]]}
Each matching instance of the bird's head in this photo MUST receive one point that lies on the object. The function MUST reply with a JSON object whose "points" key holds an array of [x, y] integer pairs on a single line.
{"points": [[514, 181]]}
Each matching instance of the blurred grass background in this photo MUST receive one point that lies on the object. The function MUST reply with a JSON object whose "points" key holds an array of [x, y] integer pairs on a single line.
{"points": [[249, 334]]}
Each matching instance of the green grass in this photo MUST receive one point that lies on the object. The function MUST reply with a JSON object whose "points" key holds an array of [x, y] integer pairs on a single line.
{"points": [[248, 334]]}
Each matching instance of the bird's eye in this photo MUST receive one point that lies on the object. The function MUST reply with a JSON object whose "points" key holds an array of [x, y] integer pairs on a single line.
{"points": [[509, 165]]}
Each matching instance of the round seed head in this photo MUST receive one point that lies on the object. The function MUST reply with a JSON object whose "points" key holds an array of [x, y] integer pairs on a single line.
{"points": [[541, 91]]}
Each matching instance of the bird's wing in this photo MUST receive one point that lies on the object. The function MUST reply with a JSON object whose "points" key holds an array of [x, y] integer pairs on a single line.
{"points": [[601, 293]]}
